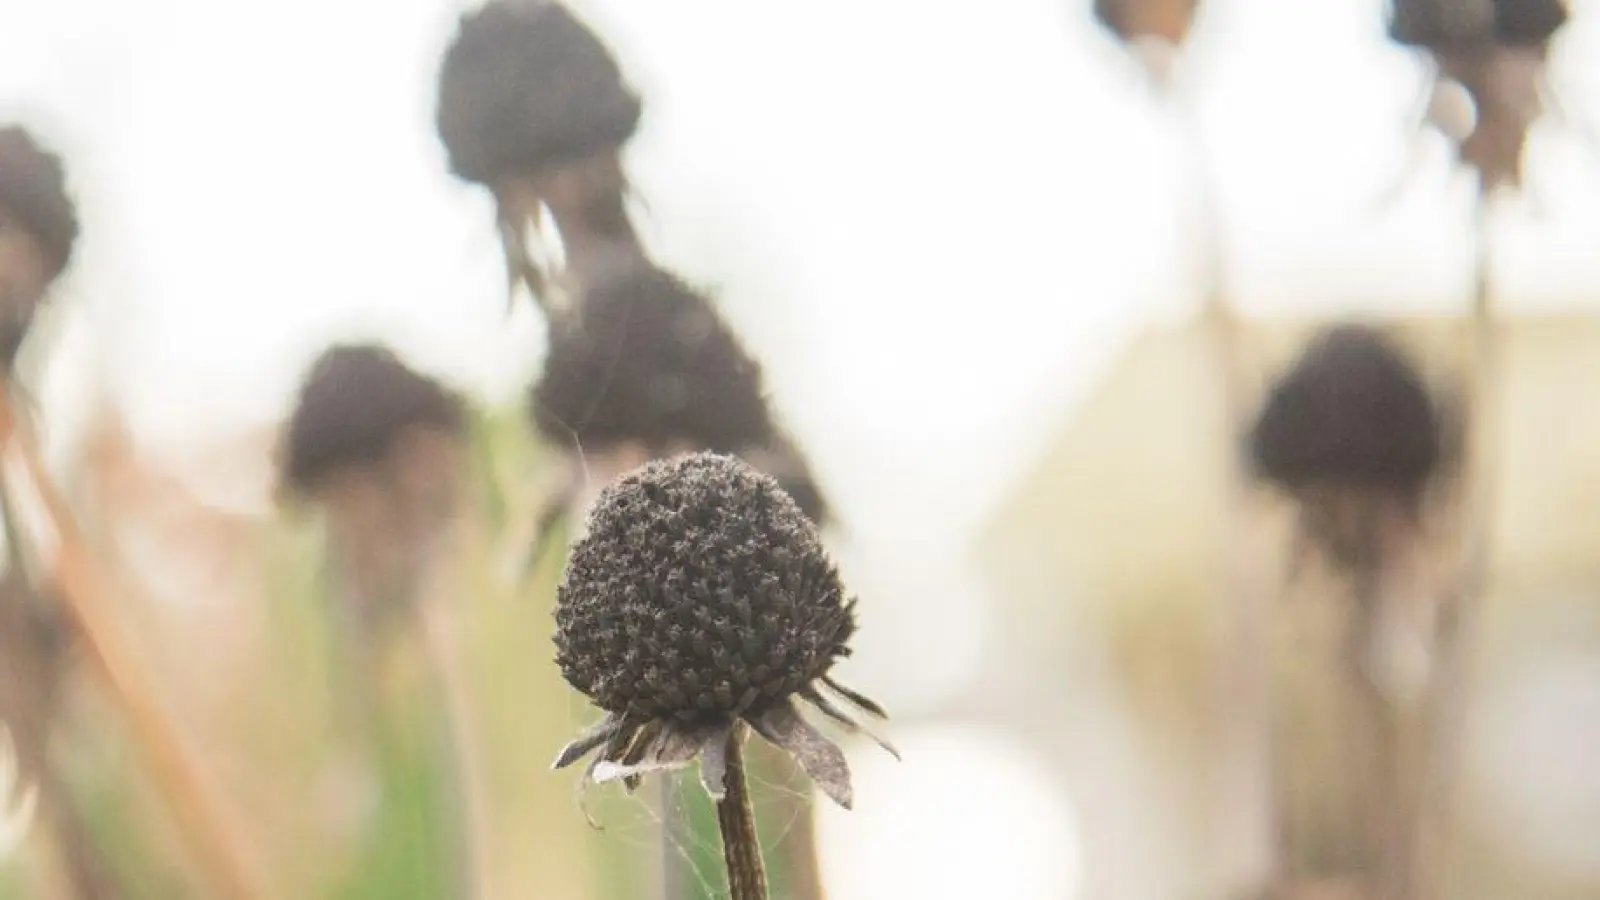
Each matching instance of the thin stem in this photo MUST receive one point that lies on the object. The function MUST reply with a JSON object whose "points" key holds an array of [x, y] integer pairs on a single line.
{"points": [[463, 746], [741, 849], [216, 838], [1460, 607], [1248, 684]]}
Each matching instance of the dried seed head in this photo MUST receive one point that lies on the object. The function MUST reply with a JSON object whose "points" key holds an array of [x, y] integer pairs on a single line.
{"points": [[33, 196], [1455, 25], [525, 85], [355, 405], [700, 592], [1352, 413], [1131, 20], [699, 598], [643, 358]]}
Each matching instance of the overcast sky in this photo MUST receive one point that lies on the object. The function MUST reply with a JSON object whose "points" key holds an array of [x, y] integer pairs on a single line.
{"points": [[936, 221]]}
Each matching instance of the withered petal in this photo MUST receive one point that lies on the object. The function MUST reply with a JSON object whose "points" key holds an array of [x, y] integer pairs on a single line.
{"points": [[818, 756], [592, 737], [866, 704], [670, 747], [826, 707], [614, 748]]}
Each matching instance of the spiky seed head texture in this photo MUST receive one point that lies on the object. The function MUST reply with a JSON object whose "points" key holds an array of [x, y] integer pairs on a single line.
{"points": [[1445, 25], [354, 405], [525, 85], [699, 592], [1352, 412], [33, 191], [644, 358]]}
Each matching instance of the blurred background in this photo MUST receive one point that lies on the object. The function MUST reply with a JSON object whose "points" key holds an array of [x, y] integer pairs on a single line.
{"points": [[967, 243]]}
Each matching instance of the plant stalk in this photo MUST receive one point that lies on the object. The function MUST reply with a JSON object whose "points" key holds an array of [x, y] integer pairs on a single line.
{"points": [[736, 818]]}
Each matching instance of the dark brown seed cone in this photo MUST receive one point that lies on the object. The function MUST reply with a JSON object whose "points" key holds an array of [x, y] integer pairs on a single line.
{"points": [[1351, 414], [355, 404], [700, 592], [33, 196], [525, 85], [701, 598], [643, 358], [1130, 20], [1454, 25]]}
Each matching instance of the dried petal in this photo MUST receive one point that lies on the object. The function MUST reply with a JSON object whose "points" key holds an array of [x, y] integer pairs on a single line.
{"points": [[819, 757], [867, 705], [673, 747], [594, 736], [826, 707]]}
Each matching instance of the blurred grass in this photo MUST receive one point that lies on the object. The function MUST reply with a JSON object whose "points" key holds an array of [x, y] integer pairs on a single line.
{"points": [[294, 767]]}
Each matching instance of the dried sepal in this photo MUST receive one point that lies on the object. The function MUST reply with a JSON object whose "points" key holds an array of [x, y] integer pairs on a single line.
{"points": [[821, 758]]}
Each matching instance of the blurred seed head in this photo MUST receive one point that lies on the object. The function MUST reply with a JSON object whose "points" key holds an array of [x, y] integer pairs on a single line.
{"points": [[1133, 20], [644, 358], [525, 85], [356, 405], [38, 230], [1451, 26], [1351, 414]]}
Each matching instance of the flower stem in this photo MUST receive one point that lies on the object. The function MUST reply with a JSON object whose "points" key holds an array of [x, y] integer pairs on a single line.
{"points": [[741, 850]]}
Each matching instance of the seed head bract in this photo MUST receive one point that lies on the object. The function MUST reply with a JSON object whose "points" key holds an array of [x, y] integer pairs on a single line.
{"points": [[700, 595], [524, 85], [354, 405]]}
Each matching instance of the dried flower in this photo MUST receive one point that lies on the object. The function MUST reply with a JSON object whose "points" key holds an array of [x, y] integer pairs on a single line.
{"points": [[1353, 412], [699, 598], [33, 196], [38, 228], [1132, 20], [524, 85], [1352, 433], [1496, 51], [1455, 25], [354, 407], [645, 359]]}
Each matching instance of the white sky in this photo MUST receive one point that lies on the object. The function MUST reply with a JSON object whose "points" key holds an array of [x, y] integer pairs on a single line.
{"points": [[936, 221]]}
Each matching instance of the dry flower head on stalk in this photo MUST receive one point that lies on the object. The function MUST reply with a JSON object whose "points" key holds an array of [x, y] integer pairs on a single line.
{"points": [[645, 359], [1352, 420], [1496, 51], [526, 85], [38, 230], [701, 597], [354, 409], [1131, 20], [533, 105]]}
